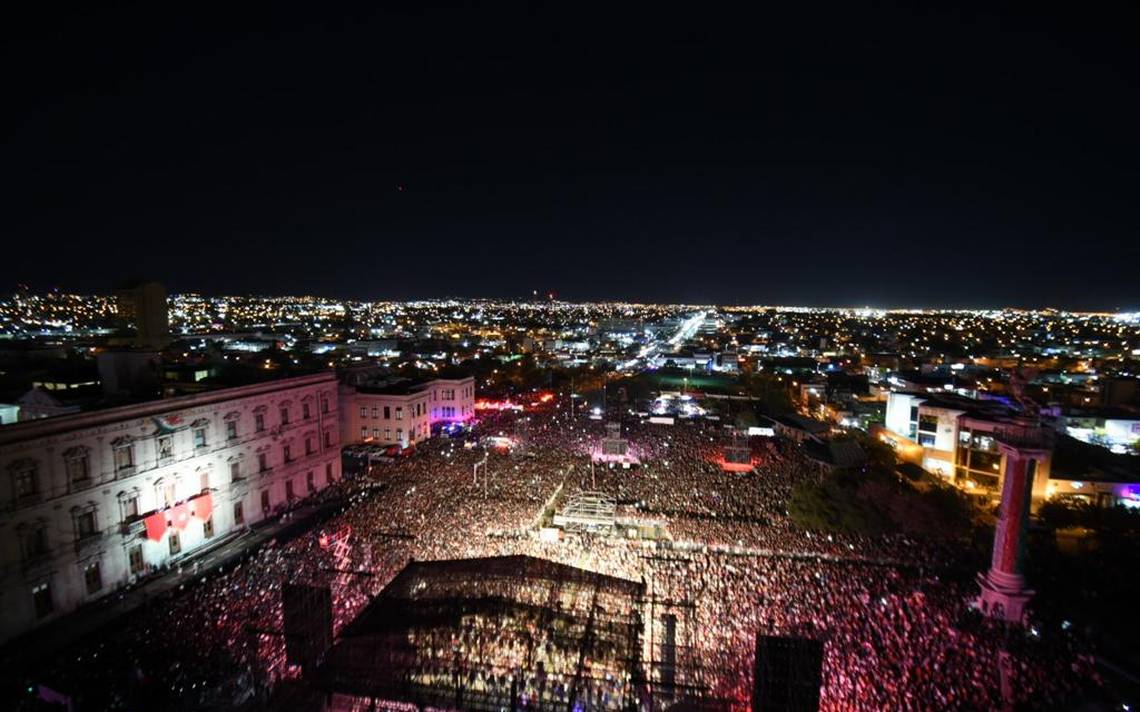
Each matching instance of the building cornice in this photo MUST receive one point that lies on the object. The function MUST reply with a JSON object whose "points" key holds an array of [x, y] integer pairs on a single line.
{"points": [[46, 427]]}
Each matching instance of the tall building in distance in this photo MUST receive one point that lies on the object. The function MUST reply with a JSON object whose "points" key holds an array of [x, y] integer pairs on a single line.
{"points": [[142, 308]]}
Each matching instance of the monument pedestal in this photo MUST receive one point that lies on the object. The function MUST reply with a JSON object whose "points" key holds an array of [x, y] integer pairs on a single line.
{"points": [[1003, 596]]}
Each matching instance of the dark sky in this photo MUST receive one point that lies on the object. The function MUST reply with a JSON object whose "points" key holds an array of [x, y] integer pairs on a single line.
{"points": [[837, 156]]}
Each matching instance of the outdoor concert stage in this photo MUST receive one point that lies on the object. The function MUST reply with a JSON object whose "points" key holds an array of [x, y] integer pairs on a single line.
{"points": [[490, 634]]}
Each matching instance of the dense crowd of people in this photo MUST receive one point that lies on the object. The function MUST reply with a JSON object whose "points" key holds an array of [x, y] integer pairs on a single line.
{"points": [[894, 618]]}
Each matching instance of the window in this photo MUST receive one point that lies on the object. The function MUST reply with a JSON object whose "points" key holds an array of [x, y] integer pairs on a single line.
{"points": [[85, 524], [375, 412], [310, 485], [167, 492], [400, 434], [387, 434], [287, 452], [199, 437], [363, 411], [284, 416], [364, 432], [130, 506], [399, 412], [35, 541], [259, 422], [324, 404], [165, 447], [204, 480], [235, 471], [928, 423], [78, 472], [239, 514], [208, 528], [262, 461], [305, 414], [41, 598], [289, 490], [328, 474], [231, 430], [310, 446], [175, 544], [387, 412], [135, 559], [124, 457], [376, 432], [26, 482], [328, 438], [265, 501], [93, 578]]}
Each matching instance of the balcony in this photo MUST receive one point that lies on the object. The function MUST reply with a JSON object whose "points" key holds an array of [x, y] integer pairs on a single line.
{"points": [[125, 471], [132, 527], [88, 543]]}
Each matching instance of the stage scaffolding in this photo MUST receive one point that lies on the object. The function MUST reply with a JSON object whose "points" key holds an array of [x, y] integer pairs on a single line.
{"points": [[489, 634], [587, 512]]}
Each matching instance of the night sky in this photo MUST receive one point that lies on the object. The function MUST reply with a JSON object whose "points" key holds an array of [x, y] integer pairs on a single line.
{"points": [[894, 157]]}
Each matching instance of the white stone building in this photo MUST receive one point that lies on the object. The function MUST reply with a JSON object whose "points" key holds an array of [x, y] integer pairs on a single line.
{"points": [[403, 413], [92, 501]]}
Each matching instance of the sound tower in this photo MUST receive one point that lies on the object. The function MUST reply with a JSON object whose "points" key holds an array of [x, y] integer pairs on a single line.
{"points": [[308, 622], [788, 672]]}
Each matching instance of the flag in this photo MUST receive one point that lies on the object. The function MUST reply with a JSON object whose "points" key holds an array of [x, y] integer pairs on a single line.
{"points": [[168, 424], [180, 515], [155, 526], [203, 505]]}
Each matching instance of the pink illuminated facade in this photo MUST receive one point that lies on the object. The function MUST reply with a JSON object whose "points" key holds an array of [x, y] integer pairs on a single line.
{"points": [[97, 500], [403, 414]]}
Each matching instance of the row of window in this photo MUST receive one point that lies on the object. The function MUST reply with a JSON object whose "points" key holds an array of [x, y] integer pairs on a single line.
{"points": [[42, 600], [448, 394], [417, 409], [414, 433], [77, 463]]}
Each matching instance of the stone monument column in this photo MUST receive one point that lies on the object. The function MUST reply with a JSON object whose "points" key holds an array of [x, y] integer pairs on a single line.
{"points": [[1003, 591]]}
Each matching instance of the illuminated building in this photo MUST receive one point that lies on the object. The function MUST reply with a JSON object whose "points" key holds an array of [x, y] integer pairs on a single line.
{"points": [[953, 435], [960, 440], [402, 413], [96, 500]]}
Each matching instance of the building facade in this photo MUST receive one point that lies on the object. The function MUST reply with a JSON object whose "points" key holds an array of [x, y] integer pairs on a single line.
{"points": [[96, 500], [956, 438], [403, 414]]}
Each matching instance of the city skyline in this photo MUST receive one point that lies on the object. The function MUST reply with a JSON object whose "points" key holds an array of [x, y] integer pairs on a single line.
{"points": [[537, 298]]}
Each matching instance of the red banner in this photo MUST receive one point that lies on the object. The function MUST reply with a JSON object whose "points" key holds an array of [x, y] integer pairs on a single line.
{"points": [[203, 505], [155, 526], [180, 515]]}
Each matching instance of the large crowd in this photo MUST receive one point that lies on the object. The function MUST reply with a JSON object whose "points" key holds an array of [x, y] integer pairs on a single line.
{"points": [[893, 613]]}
